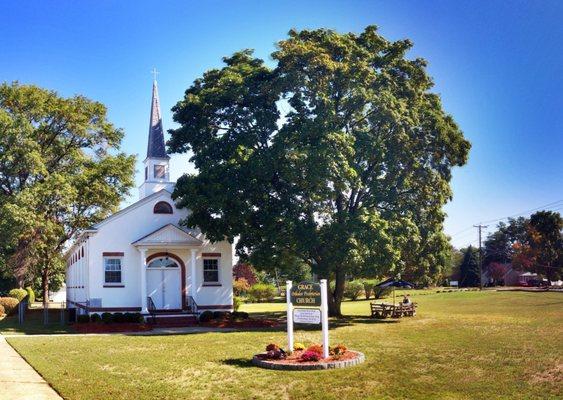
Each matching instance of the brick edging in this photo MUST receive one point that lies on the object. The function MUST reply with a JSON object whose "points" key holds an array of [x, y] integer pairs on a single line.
{"points": [[360, 358]]}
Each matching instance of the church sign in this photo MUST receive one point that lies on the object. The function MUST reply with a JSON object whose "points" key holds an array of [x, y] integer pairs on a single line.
{"points": [[306, 294], [307, 316]]}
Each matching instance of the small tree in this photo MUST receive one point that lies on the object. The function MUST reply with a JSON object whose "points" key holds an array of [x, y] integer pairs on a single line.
{"points": [[497, 271], [245, 271], [469, 268]]}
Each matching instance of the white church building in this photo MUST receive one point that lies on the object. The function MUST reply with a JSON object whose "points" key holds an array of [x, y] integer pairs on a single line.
{"points": [[141, 260]]}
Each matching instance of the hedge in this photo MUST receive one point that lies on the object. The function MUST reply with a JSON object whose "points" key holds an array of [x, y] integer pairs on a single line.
{"points": [[353, 289], [19, 294], [262, 292], [10, 304], [30, 294]]}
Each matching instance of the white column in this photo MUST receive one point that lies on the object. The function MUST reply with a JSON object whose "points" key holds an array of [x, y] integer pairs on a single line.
{"points": [[324, 316], [288, 286], [193, 277], [144, 308]]}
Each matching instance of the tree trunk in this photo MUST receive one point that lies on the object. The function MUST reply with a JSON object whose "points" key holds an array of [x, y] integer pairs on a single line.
{"points": [[335, 297], [45, 286]]}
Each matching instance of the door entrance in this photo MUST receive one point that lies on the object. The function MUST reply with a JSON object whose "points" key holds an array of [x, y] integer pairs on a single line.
{"points": [[164, 284]]}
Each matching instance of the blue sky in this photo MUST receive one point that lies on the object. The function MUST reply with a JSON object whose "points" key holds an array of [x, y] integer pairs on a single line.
{"points": [[498, 66]]}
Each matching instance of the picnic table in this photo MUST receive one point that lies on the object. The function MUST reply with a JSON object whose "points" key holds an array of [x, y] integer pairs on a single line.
{"points": [[385, 310]]}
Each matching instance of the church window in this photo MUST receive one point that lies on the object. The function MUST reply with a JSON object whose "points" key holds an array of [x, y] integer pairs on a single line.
{"points": [[146, 173], [162, 207], [211, 270], [160, 171], [112, 269]]}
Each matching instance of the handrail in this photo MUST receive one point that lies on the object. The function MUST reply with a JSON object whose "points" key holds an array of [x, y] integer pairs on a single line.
{"points": [[192, 305], [151, 308]]}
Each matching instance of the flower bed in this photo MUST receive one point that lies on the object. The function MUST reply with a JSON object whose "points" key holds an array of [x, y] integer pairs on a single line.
{"points": [[310, 358], [97, 327]]}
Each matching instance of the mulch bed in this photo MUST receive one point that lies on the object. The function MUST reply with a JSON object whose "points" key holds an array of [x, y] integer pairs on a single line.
{"points": [[244, 323], [93, 327], [293, 361], [295, 358]]}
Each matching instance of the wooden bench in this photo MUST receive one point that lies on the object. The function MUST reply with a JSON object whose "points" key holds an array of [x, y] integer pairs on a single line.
{"points": [[404, 310], [382, 310]]}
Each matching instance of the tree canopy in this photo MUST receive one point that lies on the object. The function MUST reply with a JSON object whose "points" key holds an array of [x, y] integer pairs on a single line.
{"points": [[534, 244], [339, 155], [60, 172]]}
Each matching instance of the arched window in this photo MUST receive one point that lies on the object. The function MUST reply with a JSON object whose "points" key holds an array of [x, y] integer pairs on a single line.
{"points": [[162, 207], [163, 262]]}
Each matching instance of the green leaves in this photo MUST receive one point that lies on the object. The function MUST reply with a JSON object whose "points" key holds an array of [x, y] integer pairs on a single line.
{"points": [[338, 155], [59, 172]]}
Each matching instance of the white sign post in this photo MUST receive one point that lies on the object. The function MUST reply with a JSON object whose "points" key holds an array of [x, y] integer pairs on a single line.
{"points": [[324, 316], [308, 315], [289, 316]]}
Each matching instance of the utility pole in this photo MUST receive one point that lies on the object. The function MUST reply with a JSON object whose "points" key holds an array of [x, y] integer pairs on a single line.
{"points": [[480, 256]]}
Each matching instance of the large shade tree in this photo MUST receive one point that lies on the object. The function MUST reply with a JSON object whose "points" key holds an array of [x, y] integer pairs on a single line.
{"points": [[339, 155], [60, 172]]}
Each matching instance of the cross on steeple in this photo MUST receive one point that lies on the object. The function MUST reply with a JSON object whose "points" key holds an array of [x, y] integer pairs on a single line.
{"points": [[154, 73]]}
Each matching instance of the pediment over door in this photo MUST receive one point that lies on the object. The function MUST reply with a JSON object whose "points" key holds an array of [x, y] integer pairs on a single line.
{"points": [[170, 235]]}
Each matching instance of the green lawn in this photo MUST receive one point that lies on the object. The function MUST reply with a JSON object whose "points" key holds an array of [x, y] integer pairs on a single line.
{"points": [[33, 323], [466, 345]]}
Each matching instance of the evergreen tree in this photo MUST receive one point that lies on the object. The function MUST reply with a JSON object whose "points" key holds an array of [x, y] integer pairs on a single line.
{"points": [[469, 268]]}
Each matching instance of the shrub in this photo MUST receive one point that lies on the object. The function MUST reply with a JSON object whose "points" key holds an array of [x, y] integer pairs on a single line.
{"points": [[310, 356], [239, 315], [219, 314], [133, 317], [240, 286], [298, 346], [316, 348], [95, 317], [2, 311], [369, 287], [237, 302], [30, 294], [19, 294], [262, 292], [381, 292], [118, 317], [82, 318], [107, 317], [353, 289], [205, 316], [10, 304]]}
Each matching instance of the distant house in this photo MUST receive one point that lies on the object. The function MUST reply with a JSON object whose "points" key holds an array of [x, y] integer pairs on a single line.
{"points": [[510, 276]]}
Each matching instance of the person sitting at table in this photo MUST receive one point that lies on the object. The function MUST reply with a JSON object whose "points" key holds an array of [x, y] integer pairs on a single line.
{"points": [[406, 299]]}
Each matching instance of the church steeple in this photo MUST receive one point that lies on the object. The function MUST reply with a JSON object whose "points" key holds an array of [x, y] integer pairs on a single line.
{"points": [[157, 161], [156, 146]]}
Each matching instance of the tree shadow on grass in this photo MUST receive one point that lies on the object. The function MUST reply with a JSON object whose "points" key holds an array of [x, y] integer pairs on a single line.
{"points": [[238, 362]]}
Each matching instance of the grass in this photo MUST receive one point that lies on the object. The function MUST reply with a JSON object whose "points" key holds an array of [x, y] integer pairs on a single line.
{"points": [[33, 324], [462, 345]]}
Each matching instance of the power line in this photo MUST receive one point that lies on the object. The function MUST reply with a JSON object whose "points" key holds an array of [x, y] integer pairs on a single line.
{"points": [[524, 212], [559, 207]]}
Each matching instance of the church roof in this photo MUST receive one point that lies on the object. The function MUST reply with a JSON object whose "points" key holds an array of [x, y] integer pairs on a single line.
{"points": [[156, 148]]}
